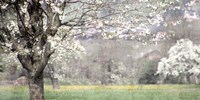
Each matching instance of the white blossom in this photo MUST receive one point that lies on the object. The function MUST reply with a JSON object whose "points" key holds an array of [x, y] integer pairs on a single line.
{"points": [[183, 58]]}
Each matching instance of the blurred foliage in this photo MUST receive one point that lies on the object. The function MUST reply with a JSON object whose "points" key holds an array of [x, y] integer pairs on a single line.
{"points": [[114, 72], [147, 72]]}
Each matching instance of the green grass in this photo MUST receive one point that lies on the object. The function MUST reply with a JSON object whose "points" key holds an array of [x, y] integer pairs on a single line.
{"points": [[136, 92]]}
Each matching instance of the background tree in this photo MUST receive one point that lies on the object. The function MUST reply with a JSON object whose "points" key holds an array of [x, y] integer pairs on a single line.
{"points": [[148, 67], [113, 72], [67, 49], [1, 65], [183, 61], [29, 27], [11, 65]]}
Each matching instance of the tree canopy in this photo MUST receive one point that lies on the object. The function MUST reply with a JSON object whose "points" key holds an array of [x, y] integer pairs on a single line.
{"points": [[30, 27], [183, 59]]}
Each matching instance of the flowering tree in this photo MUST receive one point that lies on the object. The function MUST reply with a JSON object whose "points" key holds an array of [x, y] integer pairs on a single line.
{"points": [[183, 59], [138, 19], [65, 50], [25, 34], [29, 26], [132, 19]]}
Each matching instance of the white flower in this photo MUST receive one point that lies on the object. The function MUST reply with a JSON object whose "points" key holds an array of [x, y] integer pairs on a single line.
{"points": [[182, 57], [4, 6]]}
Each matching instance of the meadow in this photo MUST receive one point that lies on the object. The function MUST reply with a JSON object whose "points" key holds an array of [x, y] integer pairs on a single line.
{"points": [[133, 92]]}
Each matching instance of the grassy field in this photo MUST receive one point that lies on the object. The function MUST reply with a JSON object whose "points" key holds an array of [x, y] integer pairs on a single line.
{"points": [[136, 92]]}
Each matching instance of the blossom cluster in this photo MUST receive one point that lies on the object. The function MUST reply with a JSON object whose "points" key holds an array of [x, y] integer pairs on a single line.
{"points": [[184, 57]]}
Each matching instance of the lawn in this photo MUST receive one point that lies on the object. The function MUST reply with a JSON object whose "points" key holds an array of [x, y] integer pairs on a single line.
{"points": [[135, 92]]}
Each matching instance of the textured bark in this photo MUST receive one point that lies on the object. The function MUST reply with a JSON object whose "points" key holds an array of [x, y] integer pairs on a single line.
{"points": [[35, 64], [36, 88], [31, 42]]}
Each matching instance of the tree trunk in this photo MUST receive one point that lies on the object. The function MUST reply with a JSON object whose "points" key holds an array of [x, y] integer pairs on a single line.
{"points": [[55, 83], [35, 63], [36, 88], [197, 79], [161, 79], [186, 79]]}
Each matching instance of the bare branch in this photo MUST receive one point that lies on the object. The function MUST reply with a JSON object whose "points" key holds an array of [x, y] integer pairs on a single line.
{"points": [[78, 22]]}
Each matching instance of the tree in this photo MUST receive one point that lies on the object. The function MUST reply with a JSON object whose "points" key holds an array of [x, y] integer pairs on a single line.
{"points": [[58, 64], [27, 27], [148, 67], [113, 72], [183, 59], [149, 20]]}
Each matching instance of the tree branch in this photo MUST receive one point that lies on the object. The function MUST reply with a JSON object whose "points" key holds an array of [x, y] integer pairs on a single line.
{"points": [[78, 22], [25, 61], [46, 55], [20, 19]]}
